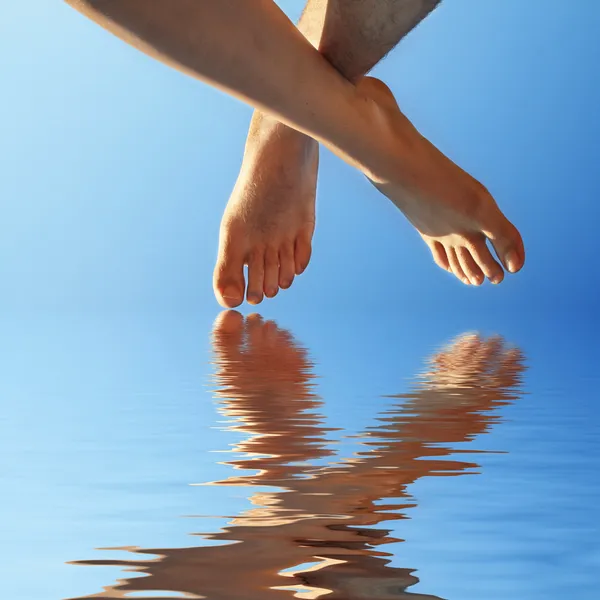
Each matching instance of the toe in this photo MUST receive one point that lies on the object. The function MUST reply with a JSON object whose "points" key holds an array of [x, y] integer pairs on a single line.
{"points": [[455, 265], [227, 338], [439, 255], [270, 332], [487, 263], [508, 244], [287, 267], [302, 252], [228, 278], [227, 333], [228, 322], [255, 329], [469, 266], [271, 272], [256, 277]]}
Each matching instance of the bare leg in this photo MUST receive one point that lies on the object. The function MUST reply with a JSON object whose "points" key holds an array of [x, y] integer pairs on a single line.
{"points": [[261, 58], [270, 217], [252, 51]]}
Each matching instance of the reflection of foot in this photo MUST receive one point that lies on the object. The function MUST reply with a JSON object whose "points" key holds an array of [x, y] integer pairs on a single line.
{"points": [[265, 386], [262, 373], [453, 212], [476, 363], [270, 218], [453, 400], [255, 356]]}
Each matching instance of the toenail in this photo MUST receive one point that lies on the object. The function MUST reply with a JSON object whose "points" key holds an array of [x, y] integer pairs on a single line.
{"points": [[271, 292], [512, 261], [496, 279], [231, 293], [254, 298], [466, 280]]}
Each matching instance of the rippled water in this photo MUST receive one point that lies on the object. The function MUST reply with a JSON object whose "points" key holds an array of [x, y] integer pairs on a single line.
{"points": [[273, 475]]}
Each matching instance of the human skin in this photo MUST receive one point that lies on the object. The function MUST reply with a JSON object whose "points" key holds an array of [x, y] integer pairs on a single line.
{"points": [[271, 210], [262, 59]]}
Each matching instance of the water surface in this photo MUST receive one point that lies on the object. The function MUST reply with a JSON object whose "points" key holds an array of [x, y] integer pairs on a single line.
{"points": [[146, 461]]}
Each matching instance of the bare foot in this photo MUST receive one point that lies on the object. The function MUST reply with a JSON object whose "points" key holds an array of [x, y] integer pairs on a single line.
{"points": [[264, 382], [453, 212], [270, 218], [472, 363]]}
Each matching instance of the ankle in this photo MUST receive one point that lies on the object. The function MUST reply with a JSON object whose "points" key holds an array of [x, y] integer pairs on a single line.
{"points": [[385, 139]]}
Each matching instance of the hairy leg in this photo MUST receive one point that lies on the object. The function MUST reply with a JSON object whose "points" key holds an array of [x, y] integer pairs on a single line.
{"points": [[252, 51], [354, 35], [261, 58], [270, 217]]}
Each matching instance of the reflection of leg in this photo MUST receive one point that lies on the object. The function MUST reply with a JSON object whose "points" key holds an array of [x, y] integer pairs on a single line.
{"points": [[463, 384], [452, 404], [364, 577], [330, 515], [272, 208]]}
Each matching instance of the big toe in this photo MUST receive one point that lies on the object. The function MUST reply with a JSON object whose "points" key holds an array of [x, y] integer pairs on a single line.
{"points": [[508, 244], [227, 339], [228, 279], [228, 322]]}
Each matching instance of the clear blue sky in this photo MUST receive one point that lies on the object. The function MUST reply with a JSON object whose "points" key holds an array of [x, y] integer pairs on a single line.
{"points": [[108, 230], [109, 203]]}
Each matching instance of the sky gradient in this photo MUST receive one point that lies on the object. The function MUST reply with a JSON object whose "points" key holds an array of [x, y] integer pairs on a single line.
{"points": [[110, 204]]}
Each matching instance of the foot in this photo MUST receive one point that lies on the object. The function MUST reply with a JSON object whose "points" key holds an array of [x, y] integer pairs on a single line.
{"points": [[270, 218], [453, 212], [264, 382], [476, 365]]}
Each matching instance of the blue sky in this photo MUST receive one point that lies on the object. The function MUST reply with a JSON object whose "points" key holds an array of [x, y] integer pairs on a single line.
{"points": [[116, 169]]}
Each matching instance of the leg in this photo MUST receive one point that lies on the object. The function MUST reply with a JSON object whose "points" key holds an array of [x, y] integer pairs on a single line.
{"points": [[270, 218], [260, 58], [252, 51]]}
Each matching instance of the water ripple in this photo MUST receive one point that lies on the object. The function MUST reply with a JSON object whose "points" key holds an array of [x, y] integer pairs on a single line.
{"points": [[319, 523]]}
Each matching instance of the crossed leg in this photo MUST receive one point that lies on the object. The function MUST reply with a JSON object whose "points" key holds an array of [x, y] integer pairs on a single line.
{"points": [[270, 218], [261, 58]]}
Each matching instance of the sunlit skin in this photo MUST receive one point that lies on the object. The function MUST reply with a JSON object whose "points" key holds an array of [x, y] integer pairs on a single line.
{"points": [[328, 514], [252, 51]]}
